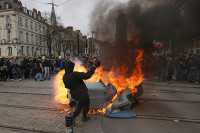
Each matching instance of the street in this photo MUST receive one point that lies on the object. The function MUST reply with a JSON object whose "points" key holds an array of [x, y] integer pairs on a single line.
{"points": [[29, 106]]}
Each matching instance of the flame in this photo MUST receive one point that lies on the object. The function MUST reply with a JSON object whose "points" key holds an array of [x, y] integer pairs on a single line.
{"points": [[116, 76], [97, 111]]}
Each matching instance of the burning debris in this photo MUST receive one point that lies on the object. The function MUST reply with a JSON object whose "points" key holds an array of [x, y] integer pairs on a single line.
{"points": [[126, 87]]}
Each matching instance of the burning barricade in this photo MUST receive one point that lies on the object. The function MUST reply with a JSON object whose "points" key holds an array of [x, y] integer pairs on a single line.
{"points": [[110, 92]]}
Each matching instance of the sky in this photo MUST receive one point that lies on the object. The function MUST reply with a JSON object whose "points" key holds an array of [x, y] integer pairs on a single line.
{"points": [[76, 13]]}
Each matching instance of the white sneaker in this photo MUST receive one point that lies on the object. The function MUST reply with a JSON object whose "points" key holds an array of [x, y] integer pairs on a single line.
{"points": [[17, 80]]}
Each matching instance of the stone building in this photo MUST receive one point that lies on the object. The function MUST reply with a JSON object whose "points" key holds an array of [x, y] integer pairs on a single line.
{"points": [[21, 30]]}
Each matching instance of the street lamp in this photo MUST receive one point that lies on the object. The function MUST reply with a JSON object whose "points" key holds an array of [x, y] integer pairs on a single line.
{"points": [[92, 42]]}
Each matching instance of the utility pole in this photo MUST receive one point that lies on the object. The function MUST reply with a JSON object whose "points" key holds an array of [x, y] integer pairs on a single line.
{"points": [[92, 42], [78, 44], [50, 44], [86, 47]]}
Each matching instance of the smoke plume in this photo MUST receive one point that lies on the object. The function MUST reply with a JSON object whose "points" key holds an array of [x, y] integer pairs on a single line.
{"points": [[171, 21]]}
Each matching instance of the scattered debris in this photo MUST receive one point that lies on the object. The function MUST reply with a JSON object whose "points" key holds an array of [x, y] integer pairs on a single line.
{"points": [[155, 95], [61, 112], [175, 120]]}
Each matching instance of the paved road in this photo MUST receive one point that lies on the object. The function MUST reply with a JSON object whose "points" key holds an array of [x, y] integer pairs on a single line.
{"points": [[29, 106]]}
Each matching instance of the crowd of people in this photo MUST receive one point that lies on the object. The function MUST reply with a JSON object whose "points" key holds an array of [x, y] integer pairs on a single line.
{"points": [[38, 68], [180, 67]]}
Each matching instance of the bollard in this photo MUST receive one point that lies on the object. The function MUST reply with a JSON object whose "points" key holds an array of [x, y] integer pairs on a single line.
{"points": [[69, 123]]}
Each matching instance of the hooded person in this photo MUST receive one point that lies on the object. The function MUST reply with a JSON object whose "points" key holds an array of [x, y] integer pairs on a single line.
{"points": [[78, 89]]}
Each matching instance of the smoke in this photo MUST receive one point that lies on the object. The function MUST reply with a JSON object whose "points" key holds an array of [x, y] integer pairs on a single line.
{"points": [[164, 20], [171, 21]]}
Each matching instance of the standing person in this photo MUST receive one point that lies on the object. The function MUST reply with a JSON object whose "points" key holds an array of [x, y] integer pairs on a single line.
{"points": [[78, 90], [19, 62], [162, 67], [170, 69], [198, 68], [46, 64], [26, 68], [4, 73], [39, 70], [15, 71], [58, 64]]}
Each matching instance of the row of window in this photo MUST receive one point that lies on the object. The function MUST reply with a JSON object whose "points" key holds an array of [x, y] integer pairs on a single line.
{"points": [[36, 27], [6, 6], [38, 39], [42, 51]]}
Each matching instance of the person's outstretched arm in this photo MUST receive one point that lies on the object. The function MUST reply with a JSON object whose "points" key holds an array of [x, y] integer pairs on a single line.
{"points": [[85, 76]]}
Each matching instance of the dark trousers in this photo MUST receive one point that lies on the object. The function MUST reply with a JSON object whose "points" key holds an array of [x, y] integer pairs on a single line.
{"points": [[26, 73], [84, 104], [169, 75]]}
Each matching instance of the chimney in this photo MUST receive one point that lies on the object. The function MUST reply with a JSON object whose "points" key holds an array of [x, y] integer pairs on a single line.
{"points": [[34, 11], [69, 30], [85, 37], [16, 1], [20, 3], [39, 13], [78, 31]]}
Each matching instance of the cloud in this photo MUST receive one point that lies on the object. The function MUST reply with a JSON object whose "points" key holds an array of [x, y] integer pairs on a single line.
{"points": [[76, 13]]}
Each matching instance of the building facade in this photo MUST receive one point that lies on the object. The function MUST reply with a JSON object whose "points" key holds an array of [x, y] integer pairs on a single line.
{"points": [[22, 31]]}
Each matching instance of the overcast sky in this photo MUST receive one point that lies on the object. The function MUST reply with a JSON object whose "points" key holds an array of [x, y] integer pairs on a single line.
{"points": [[74, 13]]}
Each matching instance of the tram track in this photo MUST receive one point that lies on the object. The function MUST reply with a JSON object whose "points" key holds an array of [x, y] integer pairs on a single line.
{"points": [[29, 107], [25, 129]]}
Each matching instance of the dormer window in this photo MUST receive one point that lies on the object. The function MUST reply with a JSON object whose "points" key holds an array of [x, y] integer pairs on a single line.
{"points": [[6, 5], [25, 9]]}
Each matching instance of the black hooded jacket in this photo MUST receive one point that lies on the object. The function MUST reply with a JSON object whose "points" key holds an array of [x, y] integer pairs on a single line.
{"points": [[74, 80]]}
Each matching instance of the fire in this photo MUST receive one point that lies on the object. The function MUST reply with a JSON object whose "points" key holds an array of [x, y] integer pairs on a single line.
{"points": [[116, 76], [97, 111]]}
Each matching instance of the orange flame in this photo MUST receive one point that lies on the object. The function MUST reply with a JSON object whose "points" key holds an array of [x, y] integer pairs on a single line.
{"points": [[119, 80]]}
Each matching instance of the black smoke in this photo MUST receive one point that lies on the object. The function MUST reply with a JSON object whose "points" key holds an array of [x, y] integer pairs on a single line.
{"points": [[171, 21]]}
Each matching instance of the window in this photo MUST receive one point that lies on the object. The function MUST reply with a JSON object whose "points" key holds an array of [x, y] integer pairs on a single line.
{"points": [[40, 40], [36, 39], [9, 51], [36, 27], [32, 38], [27, 50], [44, 51], [8, 22], [20, 21], [40, 51], [27, 37], [22, 50], [0, 7], [31, 25], [9, 37], [0, 51], [26, 24], [21, 36], [39, 29], [43, 31], [32, 51], [6, 5]]}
